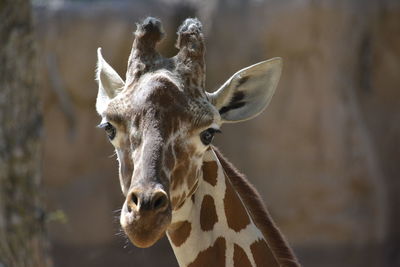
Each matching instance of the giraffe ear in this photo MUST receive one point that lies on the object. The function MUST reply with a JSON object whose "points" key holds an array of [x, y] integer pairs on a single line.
{"points": [[110, 83], [248, 92]]}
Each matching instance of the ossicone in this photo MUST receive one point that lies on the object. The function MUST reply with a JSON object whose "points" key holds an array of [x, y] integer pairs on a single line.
{"points": [[148, 33], [190, 37], [144, 55]]}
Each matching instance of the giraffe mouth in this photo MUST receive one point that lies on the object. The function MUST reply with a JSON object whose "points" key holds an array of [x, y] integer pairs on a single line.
{"points": [[144, 229]]}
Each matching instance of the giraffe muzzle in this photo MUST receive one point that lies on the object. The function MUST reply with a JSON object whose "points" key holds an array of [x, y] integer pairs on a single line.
{"points": [[140, 201], [145, 216]]}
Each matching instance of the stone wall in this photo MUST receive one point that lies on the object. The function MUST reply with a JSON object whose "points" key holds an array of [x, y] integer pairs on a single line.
{"points": [[323, 155]]}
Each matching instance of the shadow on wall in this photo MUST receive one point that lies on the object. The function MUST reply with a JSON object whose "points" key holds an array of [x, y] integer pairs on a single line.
{"points": [[324, 155]]}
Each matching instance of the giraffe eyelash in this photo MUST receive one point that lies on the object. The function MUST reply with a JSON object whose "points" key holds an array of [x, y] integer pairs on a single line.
{"points": [[207, 136], [218, 131], [102, 125], [109, 128], [214, 130]]}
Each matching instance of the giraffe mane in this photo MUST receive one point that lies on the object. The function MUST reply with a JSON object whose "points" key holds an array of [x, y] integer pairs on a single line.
{"points": [[259, 213]]}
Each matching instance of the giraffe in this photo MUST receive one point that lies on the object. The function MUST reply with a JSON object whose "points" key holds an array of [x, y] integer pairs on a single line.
{"points": [[161, 122]]}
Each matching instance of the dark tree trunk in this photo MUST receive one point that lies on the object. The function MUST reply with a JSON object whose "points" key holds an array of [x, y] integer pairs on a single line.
{"points": [[22, 241]]}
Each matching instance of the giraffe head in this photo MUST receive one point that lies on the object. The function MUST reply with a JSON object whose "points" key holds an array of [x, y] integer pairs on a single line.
{"points": [[161, 121]]}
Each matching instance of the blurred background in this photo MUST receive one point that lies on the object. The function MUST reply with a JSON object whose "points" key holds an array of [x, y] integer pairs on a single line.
{"points": [[325, 155]]}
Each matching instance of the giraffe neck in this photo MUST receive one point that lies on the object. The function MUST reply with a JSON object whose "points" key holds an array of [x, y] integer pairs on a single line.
{"points": [[214, 228]]}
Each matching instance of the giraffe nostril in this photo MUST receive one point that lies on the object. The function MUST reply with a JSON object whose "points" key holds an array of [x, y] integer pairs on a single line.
{"points": [[140, 201], [132, 202], [159, 201], [134, 199]]}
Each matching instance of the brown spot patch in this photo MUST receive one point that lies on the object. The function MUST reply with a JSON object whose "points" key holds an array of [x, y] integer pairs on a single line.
{"points": [[235, 212], [240, 258], [210, 172], [208, 213], [262, 254], [179, 232], [212, 256]]}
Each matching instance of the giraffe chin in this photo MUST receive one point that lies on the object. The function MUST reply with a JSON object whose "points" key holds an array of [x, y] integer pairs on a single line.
{"points": [[146, 232]]}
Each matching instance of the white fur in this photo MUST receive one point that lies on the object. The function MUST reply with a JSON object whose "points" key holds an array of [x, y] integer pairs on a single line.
{"points": [[110, 83]]}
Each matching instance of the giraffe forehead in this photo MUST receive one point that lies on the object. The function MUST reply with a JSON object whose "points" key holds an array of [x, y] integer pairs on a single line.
{"points": [[161, 99], [165, 91]]}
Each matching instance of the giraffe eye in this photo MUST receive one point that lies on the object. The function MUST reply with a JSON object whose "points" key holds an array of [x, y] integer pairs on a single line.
{"points": [[110, 130], [207, 136]]}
